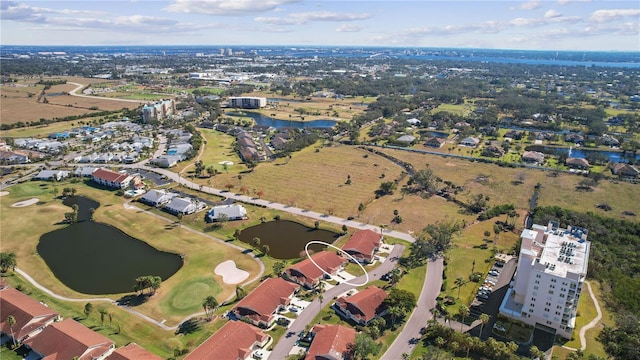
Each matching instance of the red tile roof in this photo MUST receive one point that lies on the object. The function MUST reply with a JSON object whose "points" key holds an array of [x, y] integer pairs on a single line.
{"points": [[330, 342], [28, 313], [67, 339], [364, 305], [363, 242], [262, 302], [233, 341], [132, 351], [109, 175], [306, 272]]}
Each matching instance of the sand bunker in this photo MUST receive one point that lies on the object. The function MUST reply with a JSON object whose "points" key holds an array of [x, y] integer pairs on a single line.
{"points": [[227, 162], [230, 273], [26, 202], [3, 193]]}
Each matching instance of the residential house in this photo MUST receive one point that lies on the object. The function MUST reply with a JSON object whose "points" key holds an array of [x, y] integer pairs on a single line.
{"points": [[624, 170], [157, 197], [363, 306], [609, 140], [84, 171], [261, 305], [51, 175], [470, 142], [236, 340], [492, 151], [228, 212], [309, 272], [363, 244], [249, 154], [435, 142], [278, 141], [178, 205], [331, 342], [574, 138], [30, 315], [413, 121], [11, 158], [132, 351], [68, 339], [533, 157], [577, 163], [406, 139], [513, 134], [166, 161], [111, 179]]}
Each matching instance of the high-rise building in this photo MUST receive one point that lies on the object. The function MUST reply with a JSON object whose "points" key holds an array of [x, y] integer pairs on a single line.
{"points": [[247, 102], [158, 110], [551, 270]]}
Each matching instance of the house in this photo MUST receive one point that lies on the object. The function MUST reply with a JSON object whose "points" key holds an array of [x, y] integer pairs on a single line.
{"points": [[68, 339], [157, 197], [248, 153], [31, 316], [166, 161], [363, 244], [624, 170], [228, 212], [363, 306], [413, 121], [10, 158], [470, 142], [435, 142], [84, 171], [574, 138], [178, 205], [609, 140], [330, 342], [309, 272], [278, 141], [492, 151], [111, 179], [577, 163], [260, 306], [533, 157], [51, 175], [132, 351], [513, 134], [406, 139], [236, 340]]}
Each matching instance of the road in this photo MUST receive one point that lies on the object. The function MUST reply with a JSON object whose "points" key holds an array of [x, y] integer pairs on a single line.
{"points": [[285, 344], [80, 86]]}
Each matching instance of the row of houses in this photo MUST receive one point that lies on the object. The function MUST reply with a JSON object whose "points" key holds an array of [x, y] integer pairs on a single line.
{"points": [[44, 332], [179, 149], [259, 310], [172, 202]]}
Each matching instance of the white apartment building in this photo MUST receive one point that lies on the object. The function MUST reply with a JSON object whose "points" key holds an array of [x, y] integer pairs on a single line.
{"points": [[552, 267], [158, 110], [247, 102]]}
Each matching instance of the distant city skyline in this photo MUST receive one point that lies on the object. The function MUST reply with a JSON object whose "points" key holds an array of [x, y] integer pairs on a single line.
{"points": [[581, 25]]}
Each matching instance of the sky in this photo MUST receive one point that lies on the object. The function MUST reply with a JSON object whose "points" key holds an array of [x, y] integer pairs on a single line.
{"points": [[583, 25]]}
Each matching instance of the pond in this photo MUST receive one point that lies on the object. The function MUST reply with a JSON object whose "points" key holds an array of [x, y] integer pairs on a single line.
{"points": [[286, 239], [612, 156], [264, 120], [94, 258]]}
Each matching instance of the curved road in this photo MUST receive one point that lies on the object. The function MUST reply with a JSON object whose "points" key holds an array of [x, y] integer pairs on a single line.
{"points": [[591, 324], [80, 86]]}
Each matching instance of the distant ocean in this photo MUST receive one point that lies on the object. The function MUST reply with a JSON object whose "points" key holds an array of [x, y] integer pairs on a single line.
{"points": [[609, 59]]}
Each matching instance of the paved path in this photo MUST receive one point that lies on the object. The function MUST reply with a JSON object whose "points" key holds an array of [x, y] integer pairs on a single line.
{"points": [[286, 343], [591, 324], [80, 86], [408, 338]]}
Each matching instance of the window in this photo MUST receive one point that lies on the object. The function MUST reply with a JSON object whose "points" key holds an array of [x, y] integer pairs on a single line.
{"points": [[548, 303], [535, 288], [546, 309], [561, 295], [537, 281], [553, 280], [550, 292], [538, 276]]}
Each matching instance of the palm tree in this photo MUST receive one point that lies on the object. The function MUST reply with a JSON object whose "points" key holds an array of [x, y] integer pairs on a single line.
{"points": [[240, 292], [395, 312], [454, 347], [536, 353], [447, 318], [459, 282], [484, 319], [102, 312], [265, 249], [88, 308], [12, 321], [464, 312], [8, 260], [209, 304]]}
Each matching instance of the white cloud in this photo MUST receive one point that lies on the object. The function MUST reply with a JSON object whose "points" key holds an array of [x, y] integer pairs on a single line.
{"points": [[530, 5], [552, 14], [549, 18], [10, 10], [226, 7], [349, 28], [566, 2], [303, 18], [613, 14]]}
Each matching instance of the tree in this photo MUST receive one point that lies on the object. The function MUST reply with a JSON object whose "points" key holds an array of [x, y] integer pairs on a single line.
{"points": [[240, 293], [209, 305], [102, 312], [236, 234], [536, 353], [360, 208], [464, 312], [424, 180], [404, 299], [345, 229], [278, 267], [484, 319], [396, 312], [459, 282], [92, 212], [256, 242], [8, 261], [265, 249], [12, 321], [229, 186], [362, 346], [88, 308], [199, 168], [387, 187]]}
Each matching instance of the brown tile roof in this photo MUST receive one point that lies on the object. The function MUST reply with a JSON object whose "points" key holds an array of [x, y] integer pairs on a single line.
{"points": [[330, 342], [28, 313], [308, 273], [109, 175], [363, 242], [262, 302], [624, 169], [132, 351], [233, 341], [67, 339], [364, 305], [579, 162]]}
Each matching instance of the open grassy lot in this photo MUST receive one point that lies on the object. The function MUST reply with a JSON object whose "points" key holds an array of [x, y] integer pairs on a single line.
{"points": [[218, 148], [172, 302], [45, 130]]}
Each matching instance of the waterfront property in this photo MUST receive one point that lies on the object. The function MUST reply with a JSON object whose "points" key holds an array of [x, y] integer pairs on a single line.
{"points": [[226, 212], [261, 305], [330, 342], [111, 179], [157, 197], [363, 244], [552, 267], [247, 102], [235, 340], [363, 306], [308, 273]]}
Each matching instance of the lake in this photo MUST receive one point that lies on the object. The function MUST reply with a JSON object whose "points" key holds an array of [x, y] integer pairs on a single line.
{"points": [[287, 239], [264, 120], [612, 156], [94, 258]]}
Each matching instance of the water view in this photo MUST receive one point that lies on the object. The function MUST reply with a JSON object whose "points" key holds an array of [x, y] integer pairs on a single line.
{"points": [[264, 120], [287, 239], [94, 258]]}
